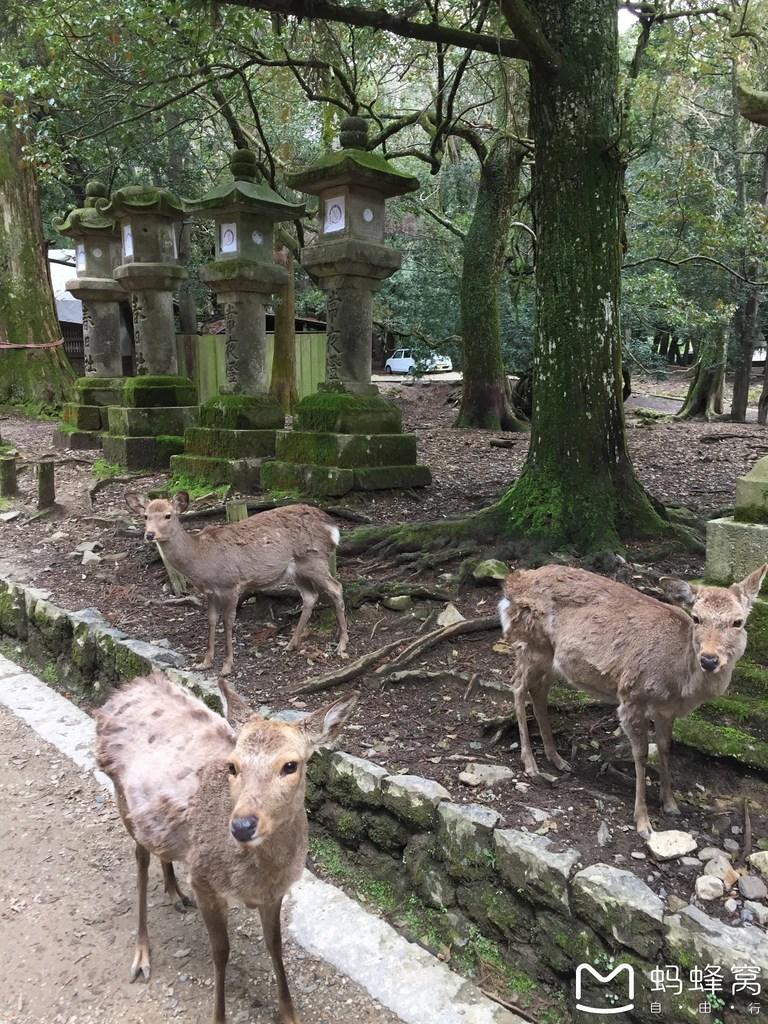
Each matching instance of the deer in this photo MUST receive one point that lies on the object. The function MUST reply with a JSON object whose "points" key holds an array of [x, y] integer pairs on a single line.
{"points": [[656, 661], [228, 804], [289, 546]]}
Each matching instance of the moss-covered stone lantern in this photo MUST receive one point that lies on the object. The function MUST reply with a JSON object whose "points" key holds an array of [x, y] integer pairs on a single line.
{"points": [[237, 428], [97, 253], [157, 405], [348, 436]]}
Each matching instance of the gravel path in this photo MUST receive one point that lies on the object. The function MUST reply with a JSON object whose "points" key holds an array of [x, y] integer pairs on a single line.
{"points": [[67, 918]]}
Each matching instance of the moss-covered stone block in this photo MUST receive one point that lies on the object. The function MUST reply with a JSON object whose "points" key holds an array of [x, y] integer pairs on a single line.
{"points": [[49, 629], [142, 452], [563, 942], [619, 905], [317, 480], [465, 833], [382, 478], [734, 550], [353, 780], [722, 740], [102, 391], [230, 444], [65, 437], [385, 831], [243, 475], [413, 799], [319, 765], [346, 450], [428, 876], [242, 412], [13, 610], [496, 911], [343, 822], [339, 412], [752, 494], [151, 422], [757, 632], [158, 391], [82, 417], [533, 866]]}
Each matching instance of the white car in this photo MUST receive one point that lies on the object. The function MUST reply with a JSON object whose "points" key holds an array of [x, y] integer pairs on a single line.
{"points": [[404, 361]]}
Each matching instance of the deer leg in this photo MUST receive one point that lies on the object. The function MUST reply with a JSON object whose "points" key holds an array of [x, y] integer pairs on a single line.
{"points": [[664, 745], [520, 690], [635, 725], [230, 611], [538, 687], [333, 589], [308, 602], [140, 966], [214, 911], [213, 621], [171, 886], [270, 923]]}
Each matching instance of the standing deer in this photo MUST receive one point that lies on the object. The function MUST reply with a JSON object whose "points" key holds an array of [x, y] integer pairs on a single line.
{"points": [[287, 546], [230, 807], [654, 660]]}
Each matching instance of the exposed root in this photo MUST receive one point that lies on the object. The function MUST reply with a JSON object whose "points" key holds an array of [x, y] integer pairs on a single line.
{"points": [[357, 595]]}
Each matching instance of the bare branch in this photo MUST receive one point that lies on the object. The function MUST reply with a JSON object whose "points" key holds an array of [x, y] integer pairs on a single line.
{"points": [[694, 259]]}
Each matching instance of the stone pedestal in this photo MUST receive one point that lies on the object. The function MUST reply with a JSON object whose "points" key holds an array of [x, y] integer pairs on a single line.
{"points": [[738, 544], [147, 427]]}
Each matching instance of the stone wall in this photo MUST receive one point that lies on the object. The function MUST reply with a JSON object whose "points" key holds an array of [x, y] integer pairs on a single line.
{"points": [[502, 900]]}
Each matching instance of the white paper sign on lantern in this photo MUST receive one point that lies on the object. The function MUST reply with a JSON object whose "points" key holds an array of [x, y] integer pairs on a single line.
{"points": [[228, 238], [127, 240], [80, 256], [335, 218]]}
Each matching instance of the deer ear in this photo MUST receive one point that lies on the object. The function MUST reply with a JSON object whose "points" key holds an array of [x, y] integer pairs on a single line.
{"points": [[749, 587], [135, 503], [323, 726], [180, 501], [678, 591]]}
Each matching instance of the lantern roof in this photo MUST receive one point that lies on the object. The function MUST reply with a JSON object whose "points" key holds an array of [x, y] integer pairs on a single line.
{"points": [[242, 192], [90, 217], [353, 164], [144, 199]]}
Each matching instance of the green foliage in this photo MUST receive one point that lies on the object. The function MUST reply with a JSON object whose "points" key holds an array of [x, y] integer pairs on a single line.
{"points": [[195, 488], [103, 470]]}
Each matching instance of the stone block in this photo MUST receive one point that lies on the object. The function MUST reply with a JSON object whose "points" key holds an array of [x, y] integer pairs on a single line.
{"points": [[412, 798], [618, 904], [734, 550], [533, 866], [343, 822], [563, 942], [242, 412], [13, 610], [82, 417], [317, 480], [354, 780], [142, 452], [465, 833], [102, 391], [430, 879], [496, 911], [150, 392], [381, 478], [385, 831], [346, 450], [151, 422], [77, 440], [339, 412], [243, 475], [694, 937], [752, 494], [229, 444], [49, 629]]}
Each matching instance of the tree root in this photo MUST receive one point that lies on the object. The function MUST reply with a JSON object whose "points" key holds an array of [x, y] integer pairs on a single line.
{"points": [[351, 671], [101, 484], [408, 675], [360, 594]]}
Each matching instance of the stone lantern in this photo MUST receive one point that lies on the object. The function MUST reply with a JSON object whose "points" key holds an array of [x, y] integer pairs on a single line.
{"points": [[97, 249], [237, 428], [348, 436], [157, 404]]}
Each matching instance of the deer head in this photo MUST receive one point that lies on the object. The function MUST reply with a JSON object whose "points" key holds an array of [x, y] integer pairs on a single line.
{"points": [[161, 517]]}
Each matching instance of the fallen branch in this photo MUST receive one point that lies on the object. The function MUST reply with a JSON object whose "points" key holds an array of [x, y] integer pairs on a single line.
{"points": [[506, 442], [184, 599], [508, 1005], [351, 671], [417, 647], [408, 674], [357, 595]]}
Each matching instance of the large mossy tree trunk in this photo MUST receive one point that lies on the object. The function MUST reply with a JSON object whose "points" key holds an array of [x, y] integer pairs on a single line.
{"points": [[283, 384], [578, 487], [705, 392], [38, 380], [485, 400]]}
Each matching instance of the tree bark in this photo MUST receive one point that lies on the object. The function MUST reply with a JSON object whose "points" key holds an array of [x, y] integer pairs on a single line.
{"points": [[485, 402], [705, 394], [283, 385], [39, 380]]}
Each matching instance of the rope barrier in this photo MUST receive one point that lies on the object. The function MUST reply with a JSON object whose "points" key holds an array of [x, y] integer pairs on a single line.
{"points": [[44, 344]]}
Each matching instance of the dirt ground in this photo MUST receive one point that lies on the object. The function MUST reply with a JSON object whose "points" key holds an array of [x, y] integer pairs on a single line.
{"points": [[67, 918], [423, 727]]}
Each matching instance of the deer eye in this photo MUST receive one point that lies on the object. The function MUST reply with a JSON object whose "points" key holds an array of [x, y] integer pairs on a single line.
{"points": [[738, 623], [696, 620], [232, 768], [289, 768], [167, 515]]}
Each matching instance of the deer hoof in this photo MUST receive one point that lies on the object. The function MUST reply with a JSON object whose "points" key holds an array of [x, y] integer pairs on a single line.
{"points": [[672, 809], [140, 967], [226, 670], [183, 903], [644, 828], [561, 764], [203, 666]]}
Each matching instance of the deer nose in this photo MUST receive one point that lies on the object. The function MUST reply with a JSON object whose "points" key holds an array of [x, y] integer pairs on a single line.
{"points": [[149, 535], [243, 829], [709, 662]]}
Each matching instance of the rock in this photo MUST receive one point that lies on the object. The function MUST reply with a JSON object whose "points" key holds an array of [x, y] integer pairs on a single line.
{"points": [[759, 861], [731, 905], [720, 867], [671, 844], [430, 878], [89, 545], [675, 904], [758, 911], [491, 774], [489, 570], [355, 779], [709, 888], [537, 815], [637, 855], [752, 888], [449, 616], [8, 517], [412, 798], [731, 846], [398, 603], [620, 905], [604, 837], [746, 916], [690, 862], [522, 787], [694, 937], [90, 558], [533, 866], [468, 779], [59, 535], [710, 852], [466, 833]]}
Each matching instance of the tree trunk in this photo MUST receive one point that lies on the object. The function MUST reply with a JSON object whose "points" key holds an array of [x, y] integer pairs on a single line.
{"points": [[38, 380], [705, 394], [485, 402], [283, 385], [578, 486]]}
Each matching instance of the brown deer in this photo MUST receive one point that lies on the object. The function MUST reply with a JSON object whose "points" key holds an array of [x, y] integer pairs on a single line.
{"points": [[284, 547], [655, 661], [229, 806]]}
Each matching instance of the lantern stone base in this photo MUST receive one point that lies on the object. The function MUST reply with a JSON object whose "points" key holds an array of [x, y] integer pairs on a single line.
{"points": [[142, 452], [341, 412], [146, 426], [84, 420], [242, 475], [67, 437], [333, 481], [133, 421], [734, 550]]}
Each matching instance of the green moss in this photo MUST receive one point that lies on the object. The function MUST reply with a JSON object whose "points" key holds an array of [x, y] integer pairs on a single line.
{"points": [[242, 412], [230, 444], [495, 910], [195, 487], [750, 680], [104, 470], [363, 166], [340, 412], [721, 741]]}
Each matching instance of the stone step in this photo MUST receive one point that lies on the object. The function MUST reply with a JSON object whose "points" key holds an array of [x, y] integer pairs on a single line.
{"points": [[151, 422], [142, 452], [335, 481], [346, 451], [230, 444], [242, 412], [77, 440], [84, 417], [243, 475]]}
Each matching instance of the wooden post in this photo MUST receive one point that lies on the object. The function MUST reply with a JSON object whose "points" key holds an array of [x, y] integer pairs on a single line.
{"points": [[8, 485], [46, 485], [236, 510]]}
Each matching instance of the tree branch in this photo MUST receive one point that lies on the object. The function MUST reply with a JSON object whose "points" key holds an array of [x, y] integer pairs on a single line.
{"points": [[692, 259], [530, 34]]}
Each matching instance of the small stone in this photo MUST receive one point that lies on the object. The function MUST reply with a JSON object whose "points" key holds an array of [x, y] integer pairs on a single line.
{"points": [[709, 888], [690, 862], [746, 917], [758, 911], [59, 535], [710, 852], [522, 787], [449, 616], [637, 855], [181, 953], [731, 846], [538, 815], [671, 844], [90, 557], [446, 577], [491, 774], [759, 861], [720, 867], [489, 570], [604, 837], [8, 517], [675, 904], [398, 603], [731, 905], [89, 545], [752, 888], [469, 779]]}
